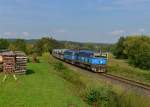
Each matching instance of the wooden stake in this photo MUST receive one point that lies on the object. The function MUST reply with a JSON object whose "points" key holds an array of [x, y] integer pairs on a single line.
{"points": [[5, 77]]}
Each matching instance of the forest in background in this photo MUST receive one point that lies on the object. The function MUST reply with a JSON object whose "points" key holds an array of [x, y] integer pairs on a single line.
{"points": [[46, 44], [134, 48]]}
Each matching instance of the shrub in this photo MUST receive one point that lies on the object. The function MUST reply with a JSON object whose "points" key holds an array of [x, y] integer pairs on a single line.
{"points": [[35, 58], [102, 96], [92, 96], [119, 48], [136, 49], [58, 66]]}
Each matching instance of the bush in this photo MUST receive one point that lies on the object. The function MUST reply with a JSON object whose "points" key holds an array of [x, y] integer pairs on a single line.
{"points": [[92, 96], [35, 58], [58, 66], [119, 48], [4, 44], [45, 44], [136, 49], [102, 96]]}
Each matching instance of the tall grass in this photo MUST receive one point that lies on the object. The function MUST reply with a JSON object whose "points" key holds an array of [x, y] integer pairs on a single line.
{"points": [[101, 97], [65, 73], [122, 68], [96, 93]]}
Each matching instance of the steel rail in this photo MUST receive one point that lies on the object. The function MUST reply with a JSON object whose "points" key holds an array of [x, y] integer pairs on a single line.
{"points": [[127, 81]]}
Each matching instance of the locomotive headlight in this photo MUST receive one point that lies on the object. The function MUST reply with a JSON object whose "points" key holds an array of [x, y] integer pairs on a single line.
{"points": [[101, 62]]}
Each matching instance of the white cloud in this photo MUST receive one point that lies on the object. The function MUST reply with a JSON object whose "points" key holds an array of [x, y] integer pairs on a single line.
{"points": [[139, 32], [142, 30], [25, 33], [61, 31], [55, 31], [9, 33], [118, 32], [15, 34]]}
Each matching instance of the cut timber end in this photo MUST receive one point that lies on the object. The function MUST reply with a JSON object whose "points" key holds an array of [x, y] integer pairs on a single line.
{"points": [[13, 62], [8, 62], [21, 62]]}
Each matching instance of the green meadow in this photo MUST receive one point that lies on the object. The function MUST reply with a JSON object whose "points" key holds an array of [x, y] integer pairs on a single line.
{"points": [[38, 88]]}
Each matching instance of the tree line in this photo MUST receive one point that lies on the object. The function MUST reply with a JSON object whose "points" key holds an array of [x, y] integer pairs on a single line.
{"points": [[134, 48], [39, 46], [47, 44]]}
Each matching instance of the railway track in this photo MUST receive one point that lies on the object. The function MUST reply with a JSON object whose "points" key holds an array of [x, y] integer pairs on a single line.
{"points": [[132, 83], [128, 81]]}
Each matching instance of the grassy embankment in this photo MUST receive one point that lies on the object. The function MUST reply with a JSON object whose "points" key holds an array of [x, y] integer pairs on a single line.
{"points": [[39, 88], [51, 84], [99, 93], [122, 68]]}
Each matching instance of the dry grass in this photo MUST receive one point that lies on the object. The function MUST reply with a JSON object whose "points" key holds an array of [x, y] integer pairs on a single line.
{"points": [[122, 68]]}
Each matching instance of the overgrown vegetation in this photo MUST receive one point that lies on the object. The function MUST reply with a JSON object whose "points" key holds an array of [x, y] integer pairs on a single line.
{"points": [[45, 45], [18, 45], [122, 68], [119, 48], [98, 94], [136, 49], [102, 97], [58, 66], [4, 44], [65, 73]]}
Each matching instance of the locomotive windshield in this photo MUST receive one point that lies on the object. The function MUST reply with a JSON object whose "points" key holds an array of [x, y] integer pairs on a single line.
{"points": [[102, 55]]}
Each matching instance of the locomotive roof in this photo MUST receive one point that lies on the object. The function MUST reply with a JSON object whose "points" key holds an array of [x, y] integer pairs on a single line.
{"points": [[71, 50], [87, 51]]}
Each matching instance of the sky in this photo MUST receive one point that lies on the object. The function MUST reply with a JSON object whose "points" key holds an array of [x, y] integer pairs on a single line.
{"points": [[101, 21]]}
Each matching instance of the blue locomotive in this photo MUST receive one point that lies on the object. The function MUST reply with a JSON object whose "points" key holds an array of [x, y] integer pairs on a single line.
{"points": [[84, 58], [71, 56]]}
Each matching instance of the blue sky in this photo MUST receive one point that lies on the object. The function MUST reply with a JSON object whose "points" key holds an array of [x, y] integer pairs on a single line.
{"points": [[75, 20]]}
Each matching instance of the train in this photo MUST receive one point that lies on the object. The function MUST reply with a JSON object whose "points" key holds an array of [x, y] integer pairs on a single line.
{"points": [[91, 60]]}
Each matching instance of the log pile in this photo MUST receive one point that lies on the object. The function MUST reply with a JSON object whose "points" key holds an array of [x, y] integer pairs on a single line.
{"points": [[1, 63], [8, 62], [21, 62], [13, 62], [1, 67]]}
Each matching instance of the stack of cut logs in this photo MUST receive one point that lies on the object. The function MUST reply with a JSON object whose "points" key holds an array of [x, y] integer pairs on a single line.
{"points": [[1, 63], [13, 62], [21, 61], [8, 62], [1, 67]]}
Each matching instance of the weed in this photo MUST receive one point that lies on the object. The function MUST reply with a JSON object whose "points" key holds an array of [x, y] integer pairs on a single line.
{"points": [[58, 66], [101, 96]]}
